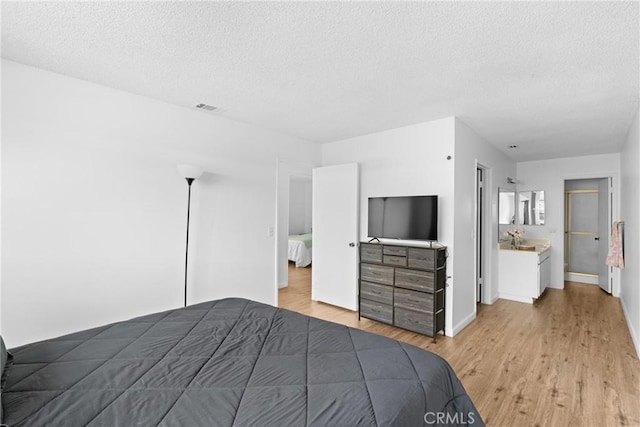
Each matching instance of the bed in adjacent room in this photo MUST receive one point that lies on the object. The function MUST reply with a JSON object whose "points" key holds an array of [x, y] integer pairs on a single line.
{"points": [[300, 249], [229, 362]]}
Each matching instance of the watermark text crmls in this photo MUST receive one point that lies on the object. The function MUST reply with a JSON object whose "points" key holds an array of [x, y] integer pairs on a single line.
{"points": [[460, 418]]}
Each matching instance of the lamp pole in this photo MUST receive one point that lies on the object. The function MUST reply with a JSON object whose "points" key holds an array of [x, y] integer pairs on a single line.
{"points": [[190, 173], [186, 252]]}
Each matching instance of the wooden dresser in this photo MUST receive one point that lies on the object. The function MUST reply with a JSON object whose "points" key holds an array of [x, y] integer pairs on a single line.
{"points": [[403, 286]]}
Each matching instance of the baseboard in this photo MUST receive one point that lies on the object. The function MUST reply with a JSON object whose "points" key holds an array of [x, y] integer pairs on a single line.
{"points": [[494, 299], [632, 331], [580, 278], [460, 326], [516, 298], [283, 285]]}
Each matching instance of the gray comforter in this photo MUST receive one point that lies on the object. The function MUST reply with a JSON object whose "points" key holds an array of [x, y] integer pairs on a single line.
{"points": [[231, 362]]}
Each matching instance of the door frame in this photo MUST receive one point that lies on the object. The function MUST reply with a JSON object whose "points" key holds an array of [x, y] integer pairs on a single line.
{"points": [[483, 238], [614, 208], [569, 200], [285, 169]]}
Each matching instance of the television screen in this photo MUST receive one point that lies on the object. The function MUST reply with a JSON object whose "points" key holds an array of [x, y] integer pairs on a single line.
{"points": [[411, 218]]}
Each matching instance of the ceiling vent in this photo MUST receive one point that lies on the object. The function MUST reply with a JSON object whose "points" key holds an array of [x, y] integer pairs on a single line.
{"points": [[206, 107]]}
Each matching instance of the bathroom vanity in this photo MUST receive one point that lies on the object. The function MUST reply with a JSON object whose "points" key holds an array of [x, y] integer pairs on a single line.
{"points": [[524, 272]]}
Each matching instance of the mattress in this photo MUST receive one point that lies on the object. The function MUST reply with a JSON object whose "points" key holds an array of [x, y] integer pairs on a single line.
{"points": [[230, 362], [300, 249]]}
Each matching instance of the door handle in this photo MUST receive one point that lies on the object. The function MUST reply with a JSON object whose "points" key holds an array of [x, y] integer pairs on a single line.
{"points": [[351, 244], [596, 238]]}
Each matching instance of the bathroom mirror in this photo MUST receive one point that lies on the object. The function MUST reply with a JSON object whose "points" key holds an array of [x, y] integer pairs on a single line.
{"points": [[531, 207], [506, 206]]}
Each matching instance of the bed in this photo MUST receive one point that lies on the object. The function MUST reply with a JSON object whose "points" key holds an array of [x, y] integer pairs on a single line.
{"points": [[230, 362], [300, 249]]}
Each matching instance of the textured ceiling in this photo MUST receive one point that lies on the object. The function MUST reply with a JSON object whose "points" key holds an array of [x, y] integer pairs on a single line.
{"points": [[555, 78]]}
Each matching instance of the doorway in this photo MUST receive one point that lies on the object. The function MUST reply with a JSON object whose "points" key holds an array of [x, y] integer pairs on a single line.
{"points": [[289, 174], [300, 238], [335, 229], [588, 204], [480, 227]]}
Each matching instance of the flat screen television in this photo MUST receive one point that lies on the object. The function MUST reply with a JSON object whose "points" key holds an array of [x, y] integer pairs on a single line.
{"points": [[408, 217]]}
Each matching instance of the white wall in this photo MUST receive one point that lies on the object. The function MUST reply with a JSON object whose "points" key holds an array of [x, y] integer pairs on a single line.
{"points": [[413, 160], [299, 206], [630, 214], [549, 175], [405, 161], [470, 151], [94, 212]]}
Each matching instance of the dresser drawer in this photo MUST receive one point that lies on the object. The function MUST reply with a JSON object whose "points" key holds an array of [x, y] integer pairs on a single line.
{"points": [[376, 292], [394, 250], [395, 260], [414, 321], [370, 253], [403, 286], [414, 279], [376, 311], [422, 258], [413, 300], [376, 274]]}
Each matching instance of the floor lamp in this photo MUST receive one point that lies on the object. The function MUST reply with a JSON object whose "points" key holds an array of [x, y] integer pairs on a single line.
{"points": [[190, 173]]}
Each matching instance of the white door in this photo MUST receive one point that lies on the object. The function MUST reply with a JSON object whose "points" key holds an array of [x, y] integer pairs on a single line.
{"points": [[604, 231], [334, 276]]}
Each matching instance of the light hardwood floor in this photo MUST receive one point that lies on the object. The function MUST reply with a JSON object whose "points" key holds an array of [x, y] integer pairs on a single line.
{"points": [[566, 360]]}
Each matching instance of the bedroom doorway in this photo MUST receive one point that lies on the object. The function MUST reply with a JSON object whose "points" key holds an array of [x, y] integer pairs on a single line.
{"points": [[293, 179], [300, 240]]}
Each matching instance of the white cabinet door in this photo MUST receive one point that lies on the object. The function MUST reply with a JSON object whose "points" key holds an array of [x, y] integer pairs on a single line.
{"points": [[334, 276], [544, 272]]}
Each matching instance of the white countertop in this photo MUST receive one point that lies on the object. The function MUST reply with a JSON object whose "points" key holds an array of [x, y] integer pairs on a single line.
{"points": [[540, 246]]}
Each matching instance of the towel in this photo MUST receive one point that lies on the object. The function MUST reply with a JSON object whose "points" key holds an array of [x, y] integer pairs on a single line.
{"points": [[615, 258]]}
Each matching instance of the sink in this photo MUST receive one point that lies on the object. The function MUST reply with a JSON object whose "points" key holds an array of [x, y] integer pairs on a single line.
{"points": [[526, 247], [529, 245]]}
